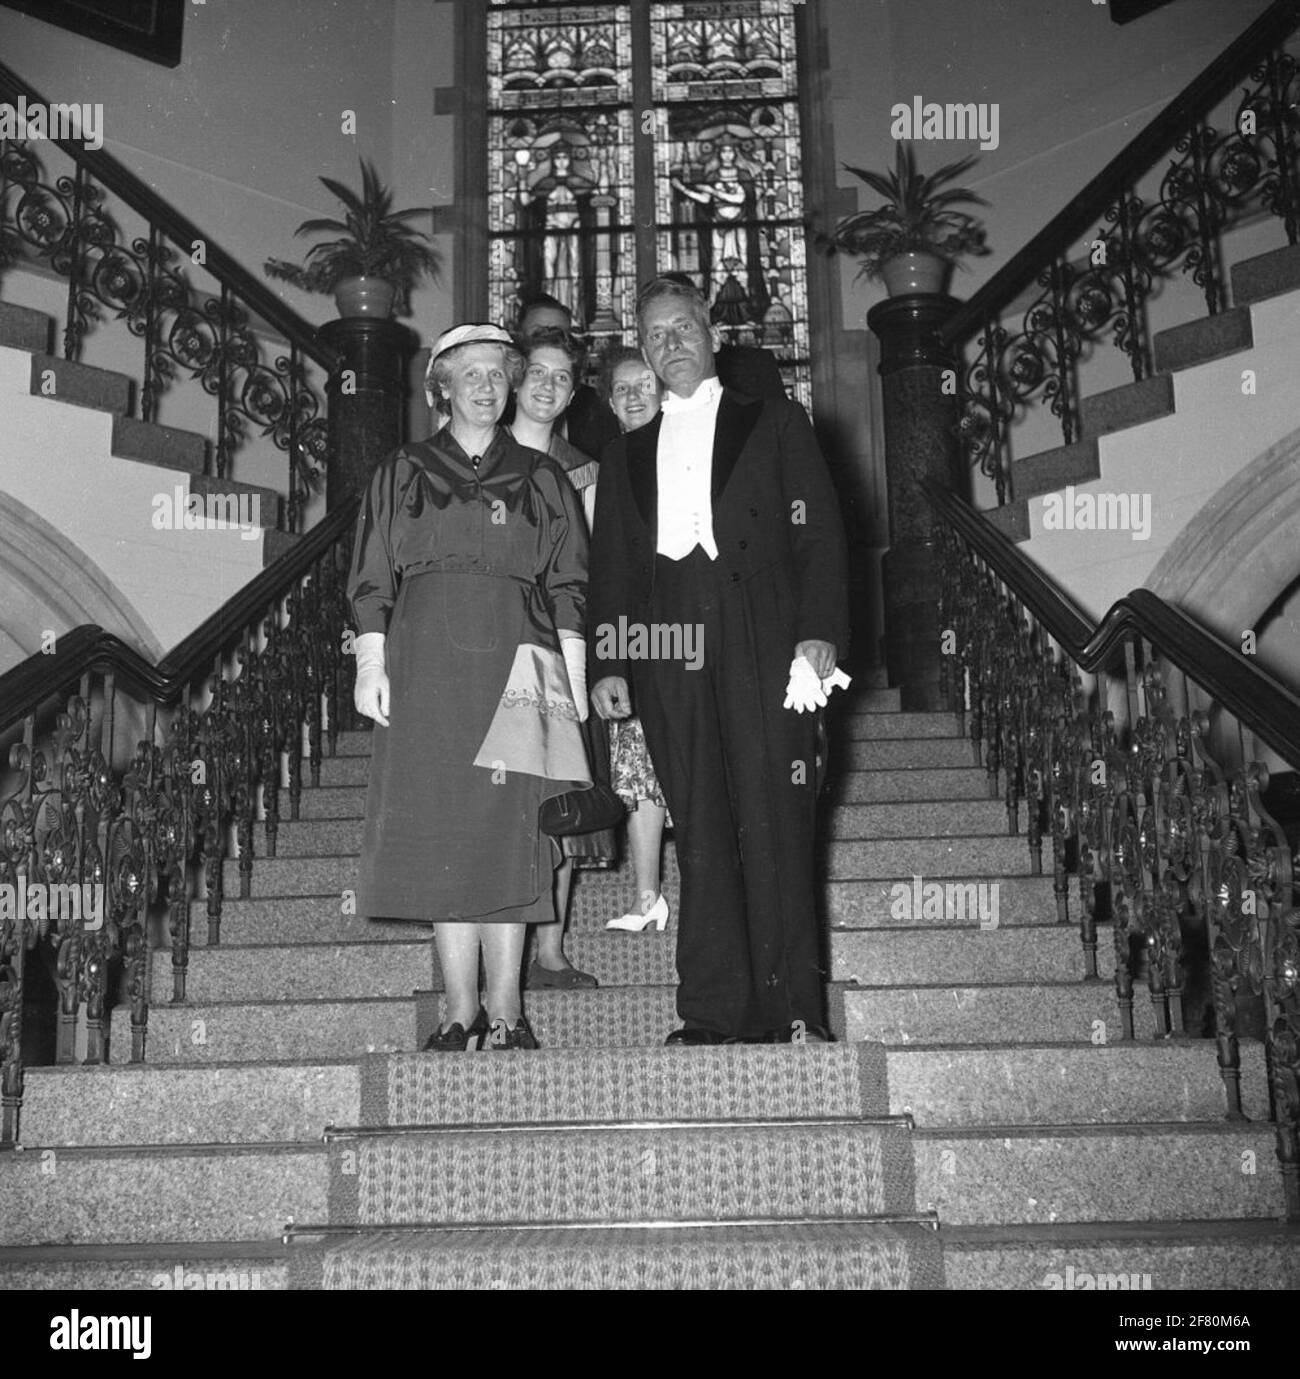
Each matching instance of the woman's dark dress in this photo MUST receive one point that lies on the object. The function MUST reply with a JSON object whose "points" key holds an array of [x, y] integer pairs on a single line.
{"points": [[470, 573]]}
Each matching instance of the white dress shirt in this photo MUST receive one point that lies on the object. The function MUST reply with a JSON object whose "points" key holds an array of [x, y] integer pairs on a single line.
{"points": [[685, 471]]}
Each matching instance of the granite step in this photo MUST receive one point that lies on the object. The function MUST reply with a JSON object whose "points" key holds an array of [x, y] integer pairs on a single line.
{"points": [[1039, 1174], [260, 1102], [1071, 1084], [1051, 470], [104, 1195], [82, 384], [151, 443], [226, 1267], [1266, 275], [1116, 409], [884, 755], [896, 859], [1199, 341], [21, 328], [940, 785], [265, 503], [599, 895], [1192, 1256], [1011, 519], [968, 955], [935, 819], [1077, 1012]]}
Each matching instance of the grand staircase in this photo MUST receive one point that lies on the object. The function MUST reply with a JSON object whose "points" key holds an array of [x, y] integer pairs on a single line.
{"points": [[981, 1124]]}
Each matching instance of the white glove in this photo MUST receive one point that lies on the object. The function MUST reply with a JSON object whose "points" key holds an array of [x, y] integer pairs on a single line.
{"points": [[575, 662], [806, 690], [371, 692]]}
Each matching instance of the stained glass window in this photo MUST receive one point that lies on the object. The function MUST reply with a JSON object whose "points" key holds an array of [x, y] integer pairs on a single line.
{"points": [[635, 138]]}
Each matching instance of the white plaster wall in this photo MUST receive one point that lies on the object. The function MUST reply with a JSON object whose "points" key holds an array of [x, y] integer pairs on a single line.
{"points": [[1180, 460], [54, 456]]}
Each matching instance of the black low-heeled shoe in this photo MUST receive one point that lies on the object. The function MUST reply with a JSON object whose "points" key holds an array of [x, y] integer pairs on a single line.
{"points": [[501, 1036], [456, 1038]]}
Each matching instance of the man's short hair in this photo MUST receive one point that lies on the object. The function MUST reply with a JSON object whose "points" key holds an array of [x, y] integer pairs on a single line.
{"points": [[540, 299], [672, 286]]}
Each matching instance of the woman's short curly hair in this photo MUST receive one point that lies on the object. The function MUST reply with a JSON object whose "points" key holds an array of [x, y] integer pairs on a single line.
{"points": [[552, 337], [443, 365]]}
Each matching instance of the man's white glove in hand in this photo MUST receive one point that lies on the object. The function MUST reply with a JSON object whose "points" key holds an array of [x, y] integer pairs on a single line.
{"points": [[806, 690], [371, 692], [575, 662]]}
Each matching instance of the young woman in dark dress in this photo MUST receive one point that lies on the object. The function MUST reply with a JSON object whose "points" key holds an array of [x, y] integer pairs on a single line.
{"points": [[468, 587], [552, 367]]}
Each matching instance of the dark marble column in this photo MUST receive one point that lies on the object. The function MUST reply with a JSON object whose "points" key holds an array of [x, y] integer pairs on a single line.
{"points": [[920, 418], [367, 399]]}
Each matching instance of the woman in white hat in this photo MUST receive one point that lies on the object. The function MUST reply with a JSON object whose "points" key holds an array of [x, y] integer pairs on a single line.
{"points": [[468, 588]]}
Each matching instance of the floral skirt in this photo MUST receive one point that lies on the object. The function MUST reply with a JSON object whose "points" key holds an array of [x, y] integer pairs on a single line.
{"points": [[632, 773]]}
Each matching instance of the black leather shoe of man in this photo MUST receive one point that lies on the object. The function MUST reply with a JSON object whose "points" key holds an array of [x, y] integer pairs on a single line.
{"points": [[695, 1037], [800, 1032]]}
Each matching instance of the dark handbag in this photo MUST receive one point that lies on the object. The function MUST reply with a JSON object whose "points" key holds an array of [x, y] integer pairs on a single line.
{"points": [[585, 811]]}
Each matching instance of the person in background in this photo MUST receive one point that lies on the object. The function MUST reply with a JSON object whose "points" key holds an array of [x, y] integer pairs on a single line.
{"points": [[552, 366], [469, 659], [588, 423], [634, 394]]}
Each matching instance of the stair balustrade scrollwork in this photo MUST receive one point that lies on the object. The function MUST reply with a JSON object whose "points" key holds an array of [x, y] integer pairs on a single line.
{"points": [[1094, 286], [1170, 842], [65, 223], [143, 836]]}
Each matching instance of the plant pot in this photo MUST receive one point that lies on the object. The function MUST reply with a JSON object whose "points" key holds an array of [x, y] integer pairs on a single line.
{"points": [[906, 273], [365, 296]]}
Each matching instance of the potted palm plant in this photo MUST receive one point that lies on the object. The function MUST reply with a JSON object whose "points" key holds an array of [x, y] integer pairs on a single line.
{"points": [[375, 258], [911, 242]]}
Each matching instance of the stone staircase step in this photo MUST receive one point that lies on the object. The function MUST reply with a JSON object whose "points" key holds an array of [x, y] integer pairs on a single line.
{"points": [[882, 905], [337, 837], [82, 384], [633, 1172], [1051, 470], [161, 1193], [1010, 1012], [1116, 409], [277, 543], [258, 1102], [1068, 1084], [1001, 1174], [1266, 275], [860, 727], [267, 1031], [1011, 519], [151, 443], [21, 328], [1199, 341], [226, 1267], [888, 958], [901, 858], [1195, 1256], [829, 1255], [937, 784], [880, 787], [266, 502]]}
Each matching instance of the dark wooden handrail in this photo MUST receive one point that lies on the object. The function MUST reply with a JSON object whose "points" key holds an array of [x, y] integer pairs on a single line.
{"points": [[1265, 705], [89, 647], [1138, 156], [106, 170]]}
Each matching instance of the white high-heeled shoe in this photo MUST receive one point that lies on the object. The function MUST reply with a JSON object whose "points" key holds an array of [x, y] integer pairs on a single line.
{"points": [[634, 923]]}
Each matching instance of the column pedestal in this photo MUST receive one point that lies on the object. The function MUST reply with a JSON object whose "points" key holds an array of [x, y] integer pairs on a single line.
{"points": [[367, 400], [920, 421]]}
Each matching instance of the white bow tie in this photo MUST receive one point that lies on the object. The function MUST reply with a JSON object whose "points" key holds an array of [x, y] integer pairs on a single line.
{"points": [[708, 391]]}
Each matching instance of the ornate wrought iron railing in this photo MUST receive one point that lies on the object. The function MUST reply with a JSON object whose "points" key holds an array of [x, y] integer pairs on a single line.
{"points": [[1101, 259], [242, 345], [131, 784], [1168, 838]]}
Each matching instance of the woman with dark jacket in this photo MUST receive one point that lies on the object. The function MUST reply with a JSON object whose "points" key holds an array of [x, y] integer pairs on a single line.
{"points": [[468, 587]]}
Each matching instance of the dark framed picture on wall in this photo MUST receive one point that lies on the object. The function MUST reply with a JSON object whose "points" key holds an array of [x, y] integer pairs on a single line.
{"points": [[150, 29]]}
